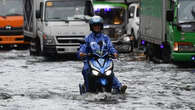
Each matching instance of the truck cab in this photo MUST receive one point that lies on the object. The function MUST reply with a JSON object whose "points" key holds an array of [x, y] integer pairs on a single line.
{"points": [[167, 29], [57, 26], [11, 24], [114, 14], [182, 35]]}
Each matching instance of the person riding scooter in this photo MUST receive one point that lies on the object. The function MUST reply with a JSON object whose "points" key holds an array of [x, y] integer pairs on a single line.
{"points": [[96, 26]]}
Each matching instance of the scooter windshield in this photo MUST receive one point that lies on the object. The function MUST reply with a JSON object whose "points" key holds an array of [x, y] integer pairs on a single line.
{"points": [[99, 49]]}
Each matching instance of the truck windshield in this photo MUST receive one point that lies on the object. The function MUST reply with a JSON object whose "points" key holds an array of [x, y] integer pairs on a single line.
{"points": [[111, 15], [11, 7], [64, 10], [186, 11]]}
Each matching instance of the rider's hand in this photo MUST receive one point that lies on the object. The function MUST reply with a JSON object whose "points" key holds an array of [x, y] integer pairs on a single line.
{"points": [[115, 55], [82, 54]]}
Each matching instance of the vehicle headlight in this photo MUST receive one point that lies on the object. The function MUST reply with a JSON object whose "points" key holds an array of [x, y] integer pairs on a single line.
{"points": [[106, 26], [48, 40], [183, 46], [95, 73], [108, 73], [176, 47]]}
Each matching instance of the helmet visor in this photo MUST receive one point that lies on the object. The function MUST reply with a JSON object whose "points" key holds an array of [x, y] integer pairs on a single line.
{"points": [[97, 24]]}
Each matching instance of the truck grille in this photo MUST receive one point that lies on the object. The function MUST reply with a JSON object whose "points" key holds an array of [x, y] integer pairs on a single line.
{"points": [[12, 28], [19, 39], [69, 39], [11, 31]]}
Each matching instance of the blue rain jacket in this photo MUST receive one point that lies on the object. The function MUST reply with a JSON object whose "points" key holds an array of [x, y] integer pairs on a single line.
{"points": [[92, 39]]}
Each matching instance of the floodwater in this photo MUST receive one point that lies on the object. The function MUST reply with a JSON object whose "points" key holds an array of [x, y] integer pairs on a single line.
{"points": [[35, 83]]}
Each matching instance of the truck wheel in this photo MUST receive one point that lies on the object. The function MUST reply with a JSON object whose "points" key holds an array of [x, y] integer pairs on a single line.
{"points": [[38, 46], [30, 50], [153, 53], [166, 53], [149, 51], [35, 48]]}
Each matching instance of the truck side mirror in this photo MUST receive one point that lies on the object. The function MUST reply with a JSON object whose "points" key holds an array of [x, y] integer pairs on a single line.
{"points": [[38, 14], [170, 15]]}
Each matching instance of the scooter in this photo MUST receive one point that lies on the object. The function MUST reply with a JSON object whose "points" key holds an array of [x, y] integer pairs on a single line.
{"points": [[100, 73]]}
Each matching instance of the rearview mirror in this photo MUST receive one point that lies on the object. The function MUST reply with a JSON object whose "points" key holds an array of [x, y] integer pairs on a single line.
{"points": [[38, 14], [170, 15]]}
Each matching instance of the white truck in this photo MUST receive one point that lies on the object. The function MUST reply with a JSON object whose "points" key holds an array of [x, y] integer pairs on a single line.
{"points": [[133, 24], [56, 27]]}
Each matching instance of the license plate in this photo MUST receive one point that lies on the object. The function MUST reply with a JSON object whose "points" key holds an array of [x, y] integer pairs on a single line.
{"points": [[70, 49]]}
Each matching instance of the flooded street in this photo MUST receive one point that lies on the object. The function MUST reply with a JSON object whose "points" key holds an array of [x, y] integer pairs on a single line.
{"points": [[34, 83]]}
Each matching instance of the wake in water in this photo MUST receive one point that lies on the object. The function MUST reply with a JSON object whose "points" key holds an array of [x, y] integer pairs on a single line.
{"points": [[105, 98]]}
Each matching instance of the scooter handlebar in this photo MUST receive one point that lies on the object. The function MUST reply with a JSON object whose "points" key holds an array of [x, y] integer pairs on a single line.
{"points": [[91, 55]]}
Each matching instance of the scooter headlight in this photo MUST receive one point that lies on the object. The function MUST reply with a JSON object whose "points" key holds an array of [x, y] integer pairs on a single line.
{"points": [[95, 73], [108, 73]]}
